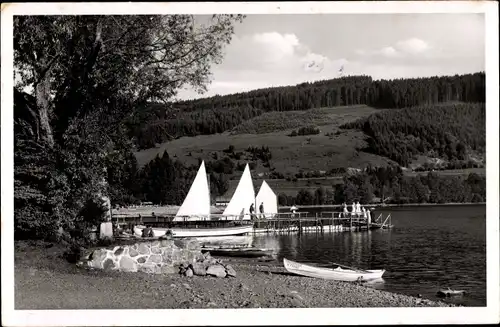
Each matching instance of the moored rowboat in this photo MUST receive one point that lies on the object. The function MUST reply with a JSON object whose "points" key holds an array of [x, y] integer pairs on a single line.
{"points": [[330, 273], [197, 232]]}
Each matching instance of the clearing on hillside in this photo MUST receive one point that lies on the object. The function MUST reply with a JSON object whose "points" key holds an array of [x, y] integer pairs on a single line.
{"points": [[331, 148]]}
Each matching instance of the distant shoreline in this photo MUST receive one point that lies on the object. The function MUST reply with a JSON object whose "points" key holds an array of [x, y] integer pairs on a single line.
{"points": [[390, 205]]}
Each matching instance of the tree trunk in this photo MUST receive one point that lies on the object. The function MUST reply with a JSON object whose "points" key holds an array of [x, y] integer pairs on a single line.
{"points": [[42, 94]]}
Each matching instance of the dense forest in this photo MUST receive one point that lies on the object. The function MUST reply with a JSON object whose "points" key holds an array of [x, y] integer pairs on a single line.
{"points": [[450, 131], [200, 122], [167, 181], [391, 186], [163, 180], [221, 113]]}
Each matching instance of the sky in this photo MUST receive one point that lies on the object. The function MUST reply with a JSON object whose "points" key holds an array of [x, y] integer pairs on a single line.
{"points": [[277, 50]]}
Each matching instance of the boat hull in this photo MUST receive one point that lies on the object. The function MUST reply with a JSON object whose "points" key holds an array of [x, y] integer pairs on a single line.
{"points": [[246, 253], [329, 273], [197, 232]]}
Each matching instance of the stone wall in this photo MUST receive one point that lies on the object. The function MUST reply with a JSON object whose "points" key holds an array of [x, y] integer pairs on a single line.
{"points": [[158, 257]]}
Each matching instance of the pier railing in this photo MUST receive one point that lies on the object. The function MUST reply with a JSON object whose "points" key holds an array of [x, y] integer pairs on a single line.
{"points": [[287, 221]]}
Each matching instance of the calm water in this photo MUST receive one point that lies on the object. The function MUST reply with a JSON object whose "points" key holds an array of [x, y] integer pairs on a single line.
{"points": [[429, 248]]}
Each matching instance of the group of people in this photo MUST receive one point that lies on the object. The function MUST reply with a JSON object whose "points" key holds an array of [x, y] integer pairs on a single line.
{"points": [[252, 211], [356, 210]]}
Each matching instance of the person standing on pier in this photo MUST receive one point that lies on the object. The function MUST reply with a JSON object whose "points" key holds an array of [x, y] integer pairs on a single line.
{"points": [[346, 211], [353, 211], [358, 209], [261, 209], [252, 216]]}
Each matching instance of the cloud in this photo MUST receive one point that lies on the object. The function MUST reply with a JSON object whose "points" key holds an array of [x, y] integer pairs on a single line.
{"points": [[412, 46], [268, 59], [401, 49]]}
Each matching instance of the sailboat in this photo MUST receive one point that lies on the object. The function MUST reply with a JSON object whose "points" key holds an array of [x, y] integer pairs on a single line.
{"points": [[196, 207], [243, 197], [268, 199]]}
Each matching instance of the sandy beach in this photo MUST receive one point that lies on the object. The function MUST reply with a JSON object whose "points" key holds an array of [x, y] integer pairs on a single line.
{"points": [[44, 280]]}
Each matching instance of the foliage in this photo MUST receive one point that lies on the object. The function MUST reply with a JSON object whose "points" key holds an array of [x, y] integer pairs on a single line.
{"points": [[263, 153], [267, 105], [450, 131], [204, 122], [306, 130], [87, 75], [270, 122]]}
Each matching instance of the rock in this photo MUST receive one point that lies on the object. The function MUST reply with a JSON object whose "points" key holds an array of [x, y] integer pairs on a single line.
{"points": [[168, 269], [155, 258], [127, 264], [119, 251], [186, 286], [199, 257], [148, 268], [193, 245], [191, 256], [155, 243], [230, 271], [132, 252], [98, 257], [243, 287], [188, 273], [141, 260], [217, 271], [167, 243], [181, 243], [209, 262], [156, 250], [108, 264], [198, 269], [143, 248]]}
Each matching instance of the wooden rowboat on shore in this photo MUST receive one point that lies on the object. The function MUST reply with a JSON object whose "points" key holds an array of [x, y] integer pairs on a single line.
{"points": [[450, 292], [239, 252], [349, 275]]}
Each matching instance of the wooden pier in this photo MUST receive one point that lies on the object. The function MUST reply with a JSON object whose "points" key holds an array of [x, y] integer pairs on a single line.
{"points": [[281, 223]]}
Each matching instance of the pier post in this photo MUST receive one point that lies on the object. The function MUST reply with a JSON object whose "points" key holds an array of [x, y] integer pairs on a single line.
{"points": [[350, 223], [369, 220]]}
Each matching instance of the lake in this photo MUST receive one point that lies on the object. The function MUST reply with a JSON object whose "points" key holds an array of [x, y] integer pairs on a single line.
{"points": [[429, 248]]}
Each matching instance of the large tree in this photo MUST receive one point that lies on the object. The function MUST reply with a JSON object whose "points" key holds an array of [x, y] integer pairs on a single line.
{"points": [[77, 78]]}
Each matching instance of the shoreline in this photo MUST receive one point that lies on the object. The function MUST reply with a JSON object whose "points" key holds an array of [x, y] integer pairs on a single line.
{"points": [[43, 280], [379, 206]]}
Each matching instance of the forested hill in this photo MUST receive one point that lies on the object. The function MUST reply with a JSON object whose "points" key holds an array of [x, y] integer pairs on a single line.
{"points": [[159, 123]]}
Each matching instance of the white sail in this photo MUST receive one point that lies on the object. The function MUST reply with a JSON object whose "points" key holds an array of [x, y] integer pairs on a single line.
{"points": [[196, 205], [243, 197], [267, 197]]}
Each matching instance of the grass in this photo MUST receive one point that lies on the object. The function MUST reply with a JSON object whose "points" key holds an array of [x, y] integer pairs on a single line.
{"points": [[281, 121], [331, 148], [289, 154]]}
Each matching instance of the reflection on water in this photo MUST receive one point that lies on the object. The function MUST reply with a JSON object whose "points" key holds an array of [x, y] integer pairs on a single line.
{"points": [[430, 248]]}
